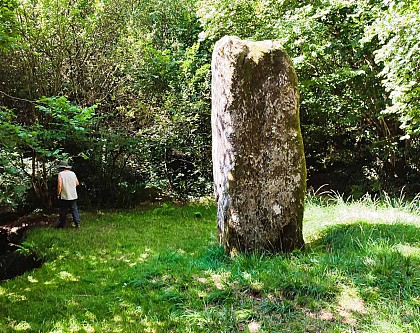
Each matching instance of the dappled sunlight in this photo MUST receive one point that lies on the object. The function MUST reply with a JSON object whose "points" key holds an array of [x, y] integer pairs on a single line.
{"points": [[408, 251], [386, 325], [145, 255], [350, 303], [12, 297], [367, 236], [348, 306], [72, 303], [73, 325], [89, 323], [202, 280], [162, 279], [94, 260], [32, 279], [242, 315], [140, 286], [373, 266], [352, 213], [198, 318], [20, 326], [150, 326], [127, 260], [325, 315], [129, 309], [369, 262], [66, 276], [255, 285], [91, 316], [254, 327], [217, 280], [322, 314], [220, 281], [125, 92], [50, 282], [117, 319], [316, 217]]}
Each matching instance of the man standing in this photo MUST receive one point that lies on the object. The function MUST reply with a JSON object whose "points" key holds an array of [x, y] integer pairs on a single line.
{"points": [[67, 194]]}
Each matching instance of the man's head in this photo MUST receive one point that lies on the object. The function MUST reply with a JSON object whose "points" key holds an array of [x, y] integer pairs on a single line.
{"points": [[63, 165]]}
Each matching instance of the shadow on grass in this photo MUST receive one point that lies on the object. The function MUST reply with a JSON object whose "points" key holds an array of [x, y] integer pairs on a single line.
{"points": [[365, 254], [378, 254], [208, 291], [359, 236], [380, 261]]}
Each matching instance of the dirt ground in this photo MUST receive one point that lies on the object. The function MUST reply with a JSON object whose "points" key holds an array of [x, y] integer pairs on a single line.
{"points": [[28, 221], [13, 232]]}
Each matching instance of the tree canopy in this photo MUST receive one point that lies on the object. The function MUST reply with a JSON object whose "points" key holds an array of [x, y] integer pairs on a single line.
{"points": [[122, 88]]}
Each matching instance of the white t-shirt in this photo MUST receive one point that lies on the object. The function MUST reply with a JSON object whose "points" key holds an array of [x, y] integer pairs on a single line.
{"points": [[68, 189]]}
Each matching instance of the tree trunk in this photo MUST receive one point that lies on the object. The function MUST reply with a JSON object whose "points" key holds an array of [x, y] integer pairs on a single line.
{"points": [[40, 185]]}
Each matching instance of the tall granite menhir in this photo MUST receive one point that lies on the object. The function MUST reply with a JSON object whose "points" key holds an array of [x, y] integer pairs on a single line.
{"points": [[258, 159]]}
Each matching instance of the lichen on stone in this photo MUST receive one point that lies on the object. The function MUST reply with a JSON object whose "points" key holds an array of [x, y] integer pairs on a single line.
{"points": [[258, 161]]}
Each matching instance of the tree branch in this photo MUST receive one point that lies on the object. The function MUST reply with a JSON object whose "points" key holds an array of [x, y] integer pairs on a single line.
{"points": [[17, 98]]}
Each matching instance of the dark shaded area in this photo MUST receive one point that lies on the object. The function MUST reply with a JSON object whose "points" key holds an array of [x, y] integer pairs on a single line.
{"points": [[111, 185], [15, 264], [360, 236], [12, 261], [8, 217]]}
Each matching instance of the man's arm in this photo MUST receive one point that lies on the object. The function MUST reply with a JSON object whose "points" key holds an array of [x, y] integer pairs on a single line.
{"points": [[59, 185]]}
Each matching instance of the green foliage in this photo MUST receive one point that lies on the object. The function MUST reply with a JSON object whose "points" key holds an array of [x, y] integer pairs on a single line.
{"points": [[59, 122], [142, 270], [348, 127], [146, 65], [30, 149], [173, 78], [8, 24], [397, 30], [26, 248], [13, 187], [141, 64]]}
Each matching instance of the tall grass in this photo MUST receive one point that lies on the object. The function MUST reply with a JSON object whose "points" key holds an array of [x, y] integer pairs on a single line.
{"points": [[159, 269]]}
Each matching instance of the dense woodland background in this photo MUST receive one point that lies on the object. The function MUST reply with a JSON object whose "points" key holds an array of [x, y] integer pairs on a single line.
{"points": [[121, 88]]}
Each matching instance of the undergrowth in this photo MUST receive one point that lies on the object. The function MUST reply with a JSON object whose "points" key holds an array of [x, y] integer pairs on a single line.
{"points": [[160, 269]]}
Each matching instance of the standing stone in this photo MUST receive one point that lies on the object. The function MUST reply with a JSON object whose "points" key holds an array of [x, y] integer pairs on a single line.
{"points": [[258, 159]]}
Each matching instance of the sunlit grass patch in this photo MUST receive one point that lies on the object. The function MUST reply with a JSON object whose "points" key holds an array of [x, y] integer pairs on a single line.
{"points": [[160, 269]]}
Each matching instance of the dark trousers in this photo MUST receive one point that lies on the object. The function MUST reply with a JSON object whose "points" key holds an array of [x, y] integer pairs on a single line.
{"points": [[65, 207]]}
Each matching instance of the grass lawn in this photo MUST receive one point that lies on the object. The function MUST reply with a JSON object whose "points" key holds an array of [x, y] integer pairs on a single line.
{"points": [[159, 269]]}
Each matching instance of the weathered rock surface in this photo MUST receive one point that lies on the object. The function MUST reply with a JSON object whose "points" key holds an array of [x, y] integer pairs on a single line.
{"points": [[258, 159]]}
